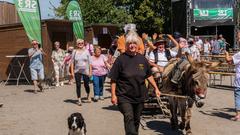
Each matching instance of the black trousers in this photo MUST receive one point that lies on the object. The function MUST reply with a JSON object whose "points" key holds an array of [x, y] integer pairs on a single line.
{"points": [[78, 78], [131, 113]]}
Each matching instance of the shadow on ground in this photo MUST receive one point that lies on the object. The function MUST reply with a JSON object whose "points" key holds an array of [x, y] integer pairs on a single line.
{"points": [[73, 101], [222, 87], [31, 91], [162, 128], [111, 108], [222, 113]]}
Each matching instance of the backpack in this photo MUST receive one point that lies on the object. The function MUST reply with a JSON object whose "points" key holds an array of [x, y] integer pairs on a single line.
{"points": [[167, 53]]}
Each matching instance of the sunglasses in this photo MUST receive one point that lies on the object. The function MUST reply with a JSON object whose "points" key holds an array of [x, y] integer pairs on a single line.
{"points": [[80, 43]]}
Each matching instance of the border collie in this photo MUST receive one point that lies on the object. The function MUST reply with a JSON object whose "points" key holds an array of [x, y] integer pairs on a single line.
{"points": [[76, 124]]}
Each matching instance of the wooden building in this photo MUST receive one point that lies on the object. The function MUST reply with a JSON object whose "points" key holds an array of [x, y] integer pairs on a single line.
{"points": [[8, 13], [101, 34], [14, 41]]}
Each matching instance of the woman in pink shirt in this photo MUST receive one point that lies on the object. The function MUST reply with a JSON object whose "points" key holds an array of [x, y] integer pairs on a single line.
{"points": [[99, 72]]}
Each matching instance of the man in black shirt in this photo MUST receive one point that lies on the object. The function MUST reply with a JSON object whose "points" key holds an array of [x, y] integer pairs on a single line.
{"points": [[128, 88]]}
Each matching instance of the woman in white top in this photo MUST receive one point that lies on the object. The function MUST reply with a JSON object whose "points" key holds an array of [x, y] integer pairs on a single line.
{"points": [[206, 48], [81, 59]]}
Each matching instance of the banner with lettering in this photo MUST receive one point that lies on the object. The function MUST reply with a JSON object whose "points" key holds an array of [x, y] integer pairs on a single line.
{"points": [[29, 13], [74, 14], [213, 14]]}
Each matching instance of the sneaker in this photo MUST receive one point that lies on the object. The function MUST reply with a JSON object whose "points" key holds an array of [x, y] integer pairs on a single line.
{"points": [[61, 83], [79, 103], [40, 87], [88, 100], [70, 82], [35, 91], [95, 99], [101, 98], [57, 85]]}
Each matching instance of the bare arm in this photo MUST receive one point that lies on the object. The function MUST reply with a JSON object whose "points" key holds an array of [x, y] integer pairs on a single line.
{"points": [[31, 54], [174, 41], [107, 65], [228, 58], [42, 51], [90, 70], [153, 83], [113, 92], [151, 46]]}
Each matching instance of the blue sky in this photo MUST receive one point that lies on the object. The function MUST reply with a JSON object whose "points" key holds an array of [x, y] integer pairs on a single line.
{"points": [[45, 5]]}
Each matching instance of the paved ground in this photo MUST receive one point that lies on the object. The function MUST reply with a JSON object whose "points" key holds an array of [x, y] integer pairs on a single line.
{"points": [[25, 113]]}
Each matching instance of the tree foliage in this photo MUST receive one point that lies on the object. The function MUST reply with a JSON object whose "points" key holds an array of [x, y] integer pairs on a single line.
{"points": [[97, 11], [149, 15]]}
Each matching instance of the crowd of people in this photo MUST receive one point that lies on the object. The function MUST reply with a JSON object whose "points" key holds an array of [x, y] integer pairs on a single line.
{"points": [[130, 61]]}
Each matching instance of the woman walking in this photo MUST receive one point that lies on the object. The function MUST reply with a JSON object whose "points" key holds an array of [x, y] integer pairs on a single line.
{"points": [[235, 59], [57, 58], [81, 59], [99, 69], [128, 87]]}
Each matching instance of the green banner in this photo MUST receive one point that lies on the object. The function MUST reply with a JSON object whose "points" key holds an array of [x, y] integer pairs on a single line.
{"points": [[74, 14], [213, 14], [29, 13]]}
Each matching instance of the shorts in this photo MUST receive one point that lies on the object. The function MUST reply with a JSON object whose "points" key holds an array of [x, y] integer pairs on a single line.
{"points": [[37, 74]]}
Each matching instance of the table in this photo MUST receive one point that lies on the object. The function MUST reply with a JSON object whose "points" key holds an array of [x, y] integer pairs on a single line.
{"points": [[213, 79], [18, 61]]}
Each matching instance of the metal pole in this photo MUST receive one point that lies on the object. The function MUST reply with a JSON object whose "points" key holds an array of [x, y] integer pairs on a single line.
{"points": [[216, 31]]}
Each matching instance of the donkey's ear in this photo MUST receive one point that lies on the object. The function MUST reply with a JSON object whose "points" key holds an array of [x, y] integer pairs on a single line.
{"points": [[213, 65]]}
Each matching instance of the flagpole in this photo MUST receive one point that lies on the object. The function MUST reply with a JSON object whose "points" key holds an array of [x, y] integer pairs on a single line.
{"points": [[40, 23]]}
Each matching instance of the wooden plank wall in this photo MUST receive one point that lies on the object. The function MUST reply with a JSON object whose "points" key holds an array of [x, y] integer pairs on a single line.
{"points": [[104, 40], [13, 41], [8, 13]]}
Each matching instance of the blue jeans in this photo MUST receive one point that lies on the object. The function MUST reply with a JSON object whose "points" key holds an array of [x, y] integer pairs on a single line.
{"points": [[237, 98], [98, 83]]}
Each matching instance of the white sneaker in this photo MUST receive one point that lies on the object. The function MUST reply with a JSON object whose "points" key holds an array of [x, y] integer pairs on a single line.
{"points": [[61, 83], [101, 98], [57, 85]]}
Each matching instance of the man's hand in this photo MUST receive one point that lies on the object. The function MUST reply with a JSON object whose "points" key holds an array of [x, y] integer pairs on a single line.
{"points": [[114, 99], [154, 36], [226, 53], [144, 36], [169, 36]]}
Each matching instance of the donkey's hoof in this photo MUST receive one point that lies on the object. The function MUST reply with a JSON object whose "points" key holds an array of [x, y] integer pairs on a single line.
{"points": [[189, 133]]}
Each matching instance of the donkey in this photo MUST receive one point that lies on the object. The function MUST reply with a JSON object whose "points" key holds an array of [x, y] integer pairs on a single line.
{"points": [[193, 85]]}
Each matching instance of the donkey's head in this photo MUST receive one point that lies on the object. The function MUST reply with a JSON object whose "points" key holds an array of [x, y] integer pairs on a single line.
{"points": [[197, 77]]}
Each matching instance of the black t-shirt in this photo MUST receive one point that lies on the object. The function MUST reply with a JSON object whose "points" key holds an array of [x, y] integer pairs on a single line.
{"points": [[129, 72]]}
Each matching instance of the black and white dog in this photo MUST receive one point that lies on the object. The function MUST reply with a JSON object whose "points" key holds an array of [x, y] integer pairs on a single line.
{"points": [[76, 124]]}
